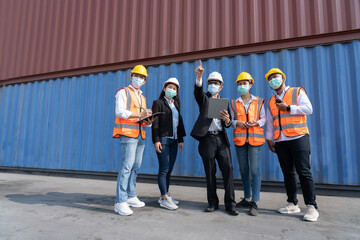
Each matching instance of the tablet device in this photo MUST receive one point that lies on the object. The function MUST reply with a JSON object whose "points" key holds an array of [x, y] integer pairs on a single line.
{"points": [[148, 117], [216, 105]]}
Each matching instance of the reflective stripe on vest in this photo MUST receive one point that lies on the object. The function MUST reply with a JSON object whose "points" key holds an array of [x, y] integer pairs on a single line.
{"points": [[236, 135], [129, 127], [254, 135], [285, 115], [128, 103], [290, 125]]}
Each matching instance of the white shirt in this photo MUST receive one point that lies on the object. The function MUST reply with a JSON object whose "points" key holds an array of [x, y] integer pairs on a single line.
{"points": [[120, 102], [304, 108], [216, 122], [262, 119], [175, 118]]}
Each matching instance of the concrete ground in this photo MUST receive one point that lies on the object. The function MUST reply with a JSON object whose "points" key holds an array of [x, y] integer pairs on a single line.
{"points": [[45, 207]]}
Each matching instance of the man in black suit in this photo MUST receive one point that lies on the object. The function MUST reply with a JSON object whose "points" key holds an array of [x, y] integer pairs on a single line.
{"points": [[213, 142]]}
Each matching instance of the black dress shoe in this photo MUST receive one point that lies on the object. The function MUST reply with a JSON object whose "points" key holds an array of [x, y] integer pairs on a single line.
{"points": [[211, 208], [232, 211], [243, 204], [254, 211]]}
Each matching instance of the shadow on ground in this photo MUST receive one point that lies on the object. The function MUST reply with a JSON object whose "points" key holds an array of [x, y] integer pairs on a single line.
{"points": [[92, 202]]}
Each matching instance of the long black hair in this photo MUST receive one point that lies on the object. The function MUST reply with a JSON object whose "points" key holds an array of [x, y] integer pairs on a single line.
{"points": [[176, 98]]}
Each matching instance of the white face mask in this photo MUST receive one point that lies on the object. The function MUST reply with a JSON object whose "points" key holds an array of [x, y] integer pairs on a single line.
{"points": [[243, 89], [137, 82], [275, 83], [213, 89], [170, 93]]}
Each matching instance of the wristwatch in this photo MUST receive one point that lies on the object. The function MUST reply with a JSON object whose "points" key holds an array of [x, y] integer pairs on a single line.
{"points": [[288, 108]]}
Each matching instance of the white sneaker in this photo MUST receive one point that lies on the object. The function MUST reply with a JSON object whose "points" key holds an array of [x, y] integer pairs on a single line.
{"points": [[289, 208], [311, 214], [168, 204], [123, 209], [171, 199], [135, 202]]}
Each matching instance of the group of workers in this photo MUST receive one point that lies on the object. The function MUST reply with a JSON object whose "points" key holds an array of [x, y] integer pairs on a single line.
{"points": [[286, 134]]}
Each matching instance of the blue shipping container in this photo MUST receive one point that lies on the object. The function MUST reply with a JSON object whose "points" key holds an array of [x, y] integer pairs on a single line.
{"points": [[67, 123]]}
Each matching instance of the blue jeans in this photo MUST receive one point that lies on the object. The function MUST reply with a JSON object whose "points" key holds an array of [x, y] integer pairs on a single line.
{"points": [[249, 162], [132, 150], [167, 159]]}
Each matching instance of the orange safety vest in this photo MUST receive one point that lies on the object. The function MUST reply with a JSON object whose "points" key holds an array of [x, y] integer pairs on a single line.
{"points": [[255, 135], [128, 127], [290, 125]]}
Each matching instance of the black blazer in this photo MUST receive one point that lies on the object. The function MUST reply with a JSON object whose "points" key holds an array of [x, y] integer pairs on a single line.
{"points": [[203, 123], [162, 126]]}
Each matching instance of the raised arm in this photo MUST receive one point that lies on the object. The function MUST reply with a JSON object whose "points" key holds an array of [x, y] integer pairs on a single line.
{"points": [[198, 89]]}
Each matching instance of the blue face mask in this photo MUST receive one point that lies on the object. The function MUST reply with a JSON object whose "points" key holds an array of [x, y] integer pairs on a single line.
{"points": [[213, 89], [137, 82], [170, 93], [275, 83], [243, 89]]}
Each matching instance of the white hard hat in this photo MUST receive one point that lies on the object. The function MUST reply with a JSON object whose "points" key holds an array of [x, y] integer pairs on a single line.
{"points": [[172, 80], [215, 76]]}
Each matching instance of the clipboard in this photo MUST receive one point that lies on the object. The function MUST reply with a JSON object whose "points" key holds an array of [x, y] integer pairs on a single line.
{"points": [[152, 115], [216, 105]]}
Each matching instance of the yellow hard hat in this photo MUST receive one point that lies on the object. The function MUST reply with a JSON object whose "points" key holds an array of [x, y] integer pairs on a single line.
{"points": [[244, 76], [139, 69], [272, 71]]}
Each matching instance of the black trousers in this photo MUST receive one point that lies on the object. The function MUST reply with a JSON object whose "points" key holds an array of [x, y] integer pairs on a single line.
{"points": [[213, 147], [295, 155]]}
